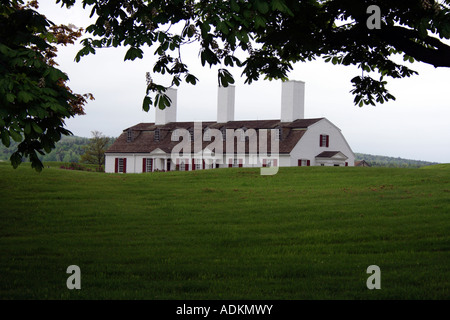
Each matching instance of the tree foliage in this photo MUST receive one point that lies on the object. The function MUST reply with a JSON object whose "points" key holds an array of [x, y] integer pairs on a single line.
{"points": [[265, 38], [34, 97], [94, 151]]}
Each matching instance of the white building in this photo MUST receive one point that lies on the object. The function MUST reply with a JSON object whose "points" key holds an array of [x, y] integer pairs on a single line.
{"points": [[167, 145]]}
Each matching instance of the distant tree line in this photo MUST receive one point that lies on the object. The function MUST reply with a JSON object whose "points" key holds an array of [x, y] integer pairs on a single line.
{"points": [[68, 149], [392, 162], [74, 149]]}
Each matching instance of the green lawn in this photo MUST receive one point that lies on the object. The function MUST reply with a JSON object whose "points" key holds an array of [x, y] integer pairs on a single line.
{"points": [[304, 233]]}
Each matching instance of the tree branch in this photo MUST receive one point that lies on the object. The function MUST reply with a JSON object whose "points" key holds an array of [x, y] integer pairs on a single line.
{"points": [[403, 40]]}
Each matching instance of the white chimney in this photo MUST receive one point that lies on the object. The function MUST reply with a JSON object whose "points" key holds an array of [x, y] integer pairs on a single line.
{"points": [[225, 104], [292, 101], [169, 114]]}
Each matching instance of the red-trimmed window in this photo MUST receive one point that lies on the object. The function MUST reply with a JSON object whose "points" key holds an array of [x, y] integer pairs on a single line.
{"points": [[120, 165], [304, 163], [147, 165], [324, 140]]}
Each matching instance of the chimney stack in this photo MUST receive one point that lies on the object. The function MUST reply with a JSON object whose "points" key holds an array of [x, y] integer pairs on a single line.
{"points": [[225, 104], [169, 114], [292, 101]]}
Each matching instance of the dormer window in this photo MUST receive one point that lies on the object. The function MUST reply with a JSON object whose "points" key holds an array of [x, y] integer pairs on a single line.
{"points": [[243, 134], [191, 132], [278, 134], [157, 135], [207, 135], [175, 136], [129, 135], [224, 134]]}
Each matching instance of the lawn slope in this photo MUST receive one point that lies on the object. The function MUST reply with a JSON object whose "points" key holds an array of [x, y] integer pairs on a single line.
{"points": [[304, 233]]}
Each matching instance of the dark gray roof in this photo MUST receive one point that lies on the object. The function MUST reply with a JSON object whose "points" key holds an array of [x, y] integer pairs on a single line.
{"points": [[143, 134]]}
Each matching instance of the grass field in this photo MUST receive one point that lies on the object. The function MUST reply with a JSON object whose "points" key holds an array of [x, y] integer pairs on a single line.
{"points": [[304, 233]]}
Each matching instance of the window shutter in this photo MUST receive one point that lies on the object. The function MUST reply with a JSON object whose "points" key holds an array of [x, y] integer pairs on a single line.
{"points": [[203, 161], [299, 162], [230, 163], [116, 165], [264, 163], [308, 162], [193, 164], [144, 165], [320, 142], [124, 165], [346, 164], [328, 140], [186, 166], [240, 163]]}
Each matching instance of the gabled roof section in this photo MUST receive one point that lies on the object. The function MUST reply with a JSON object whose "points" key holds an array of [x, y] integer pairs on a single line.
{"points": [[332, 154]]}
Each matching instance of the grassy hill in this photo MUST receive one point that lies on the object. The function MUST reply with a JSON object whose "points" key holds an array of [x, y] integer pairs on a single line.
{"points": [[304, 233]]}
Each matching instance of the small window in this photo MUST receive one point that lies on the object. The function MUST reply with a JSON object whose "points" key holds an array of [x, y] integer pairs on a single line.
{"points": [[191, 132], [182, 166], [198, 166], [149, 165], [207, 135], [324, 140], [121, 166], [130, 135], [157, 134]]}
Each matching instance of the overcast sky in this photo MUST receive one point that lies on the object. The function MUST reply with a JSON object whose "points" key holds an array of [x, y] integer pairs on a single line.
{"points": [[415, 126]]}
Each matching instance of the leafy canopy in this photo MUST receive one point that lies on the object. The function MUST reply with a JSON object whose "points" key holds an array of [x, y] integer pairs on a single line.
{"points": [[265, 38], [34, 97]]}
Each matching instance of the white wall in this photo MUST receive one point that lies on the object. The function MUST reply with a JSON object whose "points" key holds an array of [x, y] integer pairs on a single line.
{"points": [[308, 147]]}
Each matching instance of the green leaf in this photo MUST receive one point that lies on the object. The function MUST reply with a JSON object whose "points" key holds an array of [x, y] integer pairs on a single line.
{"points": [[5, 138], [146, 103], [24, 97], [17, 137], [10, 97], [191, 79], [262, 6], [133, 53], [260, 22], [162, 101], [16, 159], [27, 128], [36, 128]]}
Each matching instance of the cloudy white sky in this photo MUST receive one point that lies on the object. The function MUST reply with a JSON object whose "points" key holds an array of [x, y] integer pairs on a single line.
{"points": [[415, 126]]}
